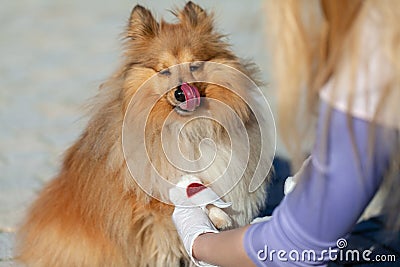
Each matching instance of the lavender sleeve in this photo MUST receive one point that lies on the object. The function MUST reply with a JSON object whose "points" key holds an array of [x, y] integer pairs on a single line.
{"points": [[333, 189]]}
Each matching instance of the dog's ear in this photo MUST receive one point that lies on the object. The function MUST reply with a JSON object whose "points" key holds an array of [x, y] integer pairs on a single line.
{"points": [[194, 16], [142, 24]]}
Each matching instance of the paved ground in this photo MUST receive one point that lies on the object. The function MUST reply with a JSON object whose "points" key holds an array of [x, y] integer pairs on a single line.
{"points": [[54, 54]]}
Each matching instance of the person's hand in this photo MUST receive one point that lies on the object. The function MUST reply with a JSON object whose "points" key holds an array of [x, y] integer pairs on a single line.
{"points": [[189, 216]]}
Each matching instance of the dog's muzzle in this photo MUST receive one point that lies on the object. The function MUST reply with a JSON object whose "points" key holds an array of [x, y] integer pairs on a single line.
{"points": [[189, 97]]}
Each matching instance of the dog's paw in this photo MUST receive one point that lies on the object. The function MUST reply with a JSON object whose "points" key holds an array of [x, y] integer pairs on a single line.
{"points": [[219, 218]]}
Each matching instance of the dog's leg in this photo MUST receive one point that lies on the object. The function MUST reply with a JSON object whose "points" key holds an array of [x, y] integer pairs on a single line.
{"points": [[218, 217]]}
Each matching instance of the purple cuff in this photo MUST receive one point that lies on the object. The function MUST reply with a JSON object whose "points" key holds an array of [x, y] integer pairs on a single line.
{"points": [[331, 194]]}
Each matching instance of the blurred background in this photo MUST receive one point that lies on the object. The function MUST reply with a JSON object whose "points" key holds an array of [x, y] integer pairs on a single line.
{"points": [[54, 55]]}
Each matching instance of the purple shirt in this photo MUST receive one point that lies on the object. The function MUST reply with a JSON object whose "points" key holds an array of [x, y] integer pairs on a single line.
{"points": [[332, 191]]}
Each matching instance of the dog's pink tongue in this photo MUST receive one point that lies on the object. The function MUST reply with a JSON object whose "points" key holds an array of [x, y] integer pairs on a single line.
{"points": [[192, 96]]}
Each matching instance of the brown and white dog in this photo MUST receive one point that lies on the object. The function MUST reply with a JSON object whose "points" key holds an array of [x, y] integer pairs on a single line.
{"points": [[94, 213]]}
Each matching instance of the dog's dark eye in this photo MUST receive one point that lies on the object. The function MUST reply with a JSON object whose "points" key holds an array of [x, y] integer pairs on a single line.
{"points": [[195, 66], [165, 72]]}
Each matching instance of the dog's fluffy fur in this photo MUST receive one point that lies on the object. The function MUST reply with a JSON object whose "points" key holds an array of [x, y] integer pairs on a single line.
{"points": [[93, 213]]}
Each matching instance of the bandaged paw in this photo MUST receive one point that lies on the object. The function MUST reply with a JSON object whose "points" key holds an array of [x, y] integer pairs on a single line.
{"points": [[204, 197]]}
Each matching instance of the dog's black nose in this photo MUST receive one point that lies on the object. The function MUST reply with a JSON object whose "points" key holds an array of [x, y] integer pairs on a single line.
{"points": [[179, 95]]}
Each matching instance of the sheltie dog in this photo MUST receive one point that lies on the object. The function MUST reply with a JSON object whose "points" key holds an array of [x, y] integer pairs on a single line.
{"points": [[95, 212]]}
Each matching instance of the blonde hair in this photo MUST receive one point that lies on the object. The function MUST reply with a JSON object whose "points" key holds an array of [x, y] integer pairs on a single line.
{"points": [[308, 39]]}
